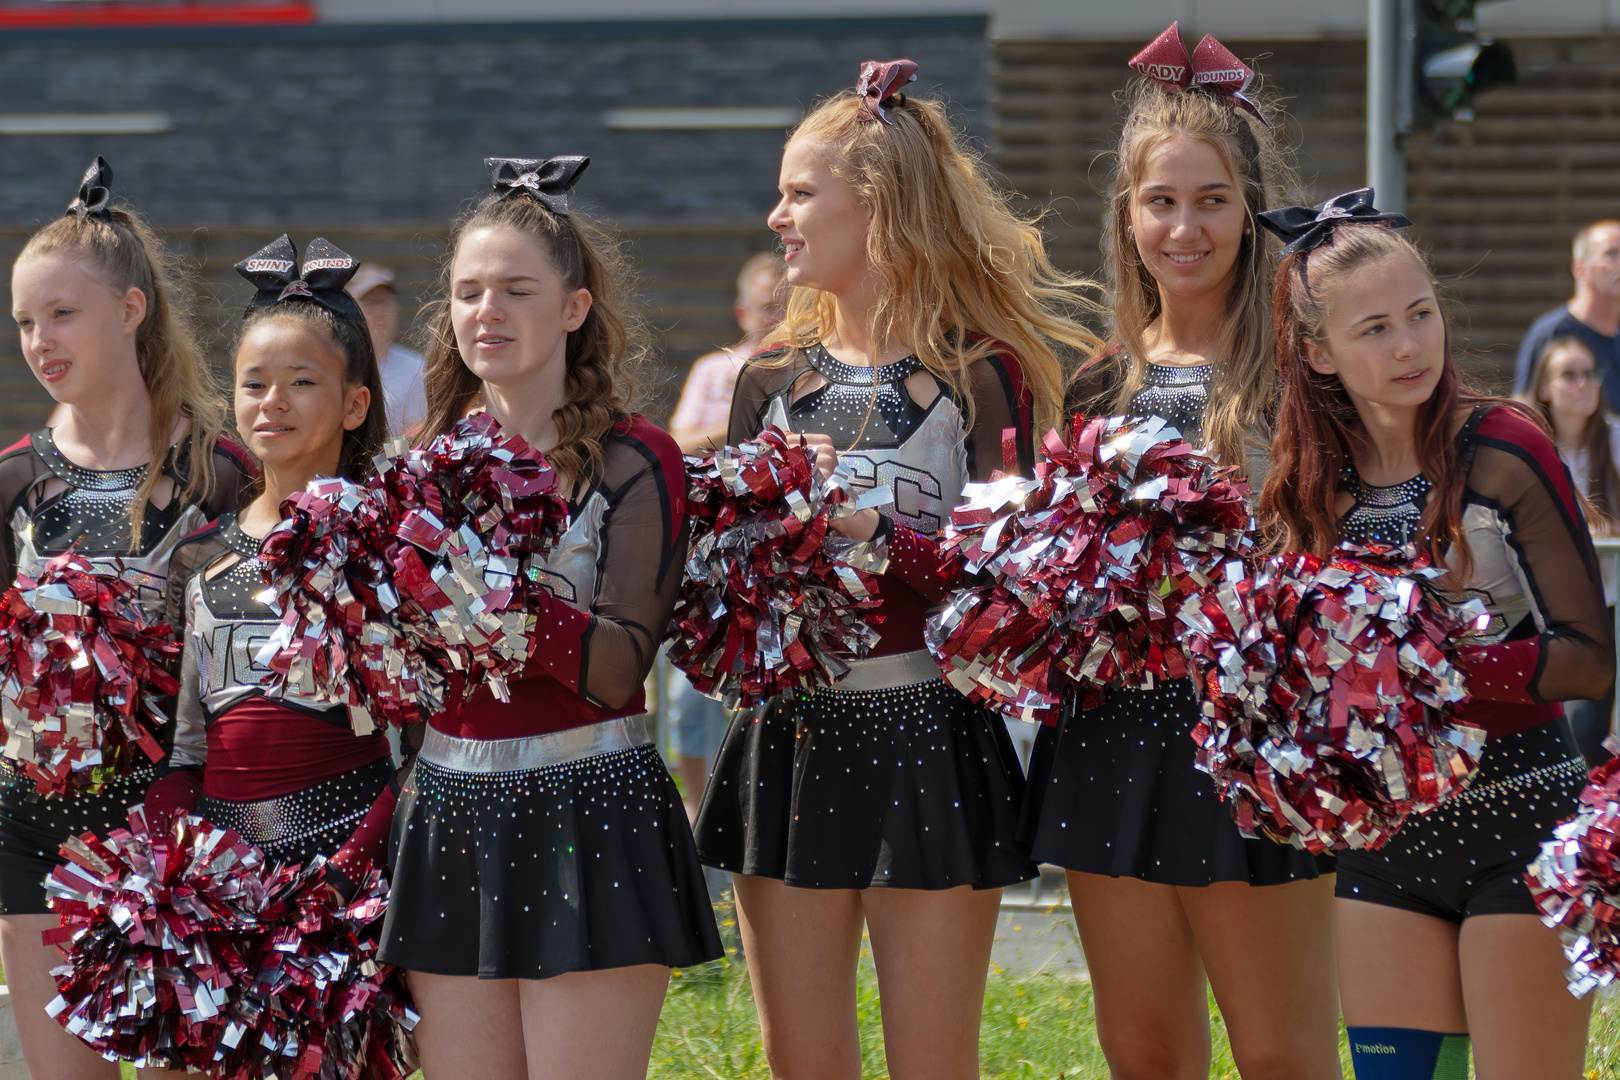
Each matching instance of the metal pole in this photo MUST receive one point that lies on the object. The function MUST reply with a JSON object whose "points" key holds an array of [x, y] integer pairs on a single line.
{"points": [[1386, 160]]}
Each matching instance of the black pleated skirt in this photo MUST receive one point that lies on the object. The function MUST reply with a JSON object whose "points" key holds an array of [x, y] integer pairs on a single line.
{"points": [[315, 821], [33, 828], [1114, 791], [526, 874], [912, 787]]}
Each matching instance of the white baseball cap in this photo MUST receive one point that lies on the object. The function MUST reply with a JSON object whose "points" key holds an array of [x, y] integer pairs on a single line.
{"points": [[368, 277]]}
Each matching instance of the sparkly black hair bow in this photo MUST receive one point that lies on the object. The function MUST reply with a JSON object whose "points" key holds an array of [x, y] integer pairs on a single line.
{"points": [[1305, 227], [95, 193], [547, 182], [274, 270], [879, 87]]}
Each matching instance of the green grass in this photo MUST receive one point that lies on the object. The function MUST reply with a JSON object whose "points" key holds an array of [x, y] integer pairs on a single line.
{"points": [[1035, 1026]]}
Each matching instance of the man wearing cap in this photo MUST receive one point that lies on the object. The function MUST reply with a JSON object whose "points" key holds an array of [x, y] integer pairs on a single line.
{"points": [[403, 395]]}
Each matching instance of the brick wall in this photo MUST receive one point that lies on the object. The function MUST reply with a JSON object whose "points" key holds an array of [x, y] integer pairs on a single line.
{"points": [[374, 136]]}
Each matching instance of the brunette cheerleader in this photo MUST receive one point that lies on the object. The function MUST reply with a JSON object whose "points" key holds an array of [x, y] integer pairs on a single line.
{"points": [[1379, 441], [289, 775], [544, 876], [135, 464], [1167, 893], [921, 327]]}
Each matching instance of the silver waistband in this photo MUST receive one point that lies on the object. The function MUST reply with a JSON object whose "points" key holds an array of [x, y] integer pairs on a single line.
{"points": [[887, 672], [533, 751]]}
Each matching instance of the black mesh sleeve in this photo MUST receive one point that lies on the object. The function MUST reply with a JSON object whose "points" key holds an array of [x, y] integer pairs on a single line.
{"points": [[19, 468], [1556, 565], [1001, 405], [759, 380], [234, 476], [644, 552]]}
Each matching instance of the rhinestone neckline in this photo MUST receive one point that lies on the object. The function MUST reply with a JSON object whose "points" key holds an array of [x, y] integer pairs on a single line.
{"points": [[848, 374], [112, 480], [1384, 498], [1166, 375], [240, 542]]}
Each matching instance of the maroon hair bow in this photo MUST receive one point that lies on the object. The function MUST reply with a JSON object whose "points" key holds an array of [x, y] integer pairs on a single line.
{"points": [[1211, 66], [880, 81]]}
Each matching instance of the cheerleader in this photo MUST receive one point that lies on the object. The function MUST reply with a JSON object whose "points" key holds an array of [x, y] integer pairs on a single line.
{"points": [[543, 869], [135, 463], [289, 775], [1378, 440], [1167, 893], [920, 329]]}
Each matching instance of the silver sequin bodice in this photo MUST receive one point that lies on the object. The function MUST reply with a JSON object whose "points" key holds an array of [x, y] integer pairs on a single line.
{"points": [[920, 452]]}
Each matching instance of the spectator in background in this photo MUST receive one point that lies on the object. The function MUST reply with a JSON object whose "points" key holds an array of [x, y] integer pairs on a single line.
{"points": [[1566, 388], [701, 416], [403, 396], [1592, 314], [700, 420]]}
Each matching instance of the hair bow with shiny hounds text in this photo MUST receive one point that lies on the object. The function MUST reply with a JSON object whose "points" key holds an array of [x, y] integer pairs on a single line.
{"points": [[548, 182], [275, 271], [95, 193], [1211, 66], [1305, 227], [878, 87]]}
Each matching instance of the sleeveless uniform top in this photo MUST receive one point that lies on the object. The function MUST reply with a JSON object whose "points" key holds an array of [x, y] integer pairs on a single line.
{"points": [[923, 452], [254, 748], [1548, 638], [612, 581]]}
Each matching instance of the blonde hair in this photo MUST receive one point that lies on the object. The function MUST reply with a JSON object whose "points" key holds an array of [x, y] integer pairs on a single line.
{"points": [[603, 355], [964, 277], [1245, 383], [178, 374]]}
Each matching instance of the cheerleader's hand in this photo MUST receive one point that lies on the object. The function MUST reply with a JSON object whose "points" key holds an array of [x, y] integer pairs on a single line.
{"points": [[861, 525], [821, 446]]}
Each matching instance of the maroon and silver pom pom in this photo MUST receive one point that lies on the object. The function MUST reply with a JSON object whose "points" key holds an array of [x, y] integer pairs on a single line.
{"points": [[81, 677], [1087, 565], [1576, 881], [427, 574], [187, 950], [1329, 689], [773, 599]]}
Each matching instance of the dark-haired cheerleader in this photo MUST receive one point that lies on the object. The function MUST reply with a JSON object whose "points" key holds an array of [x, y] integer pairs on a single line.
{"points": [[136, 463], [288, 774], [544, 879], [1378, 440]]}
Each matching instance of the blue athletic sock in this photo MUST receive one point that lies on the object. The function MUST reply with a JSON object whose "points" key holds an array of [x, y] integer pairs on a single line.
{"points": [[1382, 1053]]}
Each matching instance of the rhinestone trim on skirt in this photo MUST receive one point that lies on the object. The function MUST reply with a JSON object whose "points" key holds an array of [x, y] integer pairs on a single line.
{"points": [[909, 787], [317, 820], [580, 865], [1114, 791], [1468, 856], [33, 828]]}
